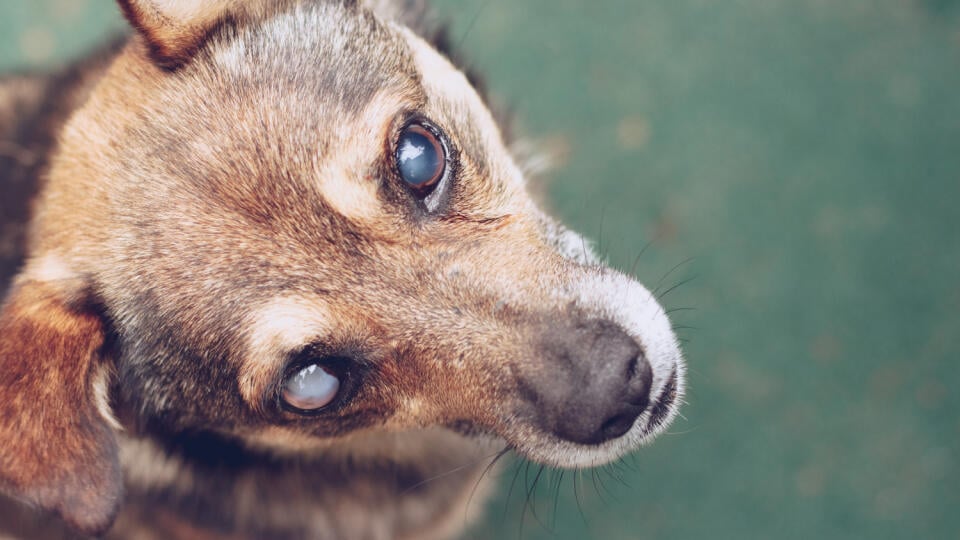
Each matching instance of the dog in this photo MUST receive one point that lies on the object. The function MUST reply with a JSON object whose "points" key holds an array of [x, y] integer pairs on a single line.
{"points": [[272, 271]]}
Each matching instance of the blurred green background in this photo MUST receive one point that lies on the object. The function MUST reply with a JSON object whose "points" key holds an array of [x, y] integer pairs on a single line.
{"points": [[806, 155]]}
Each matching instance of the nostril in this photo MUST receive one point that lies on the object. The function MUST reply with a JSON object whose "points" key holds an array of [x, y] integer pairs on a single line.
{"points": [[632, 367], [639, 382], [641, 401], [619, 424]]}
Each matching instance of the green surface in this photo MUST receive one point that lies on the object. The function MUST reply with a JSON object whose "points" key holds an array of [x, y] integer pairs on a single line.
{"points": [[806, 153]]}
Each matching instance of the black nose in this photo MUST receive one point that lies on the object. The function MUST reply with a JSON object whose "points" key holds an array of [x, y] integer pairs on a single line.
{"points": [[592, 384]]}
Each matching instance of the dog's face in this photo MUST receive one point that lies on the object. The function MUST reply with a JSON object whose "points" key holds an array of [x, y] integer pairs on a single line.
{"points": [[299, 222]]}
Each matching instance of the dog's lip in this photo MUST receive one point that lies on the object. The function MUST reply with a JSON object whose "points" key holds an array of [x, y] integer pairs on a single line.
{"points": [[665, 402]]}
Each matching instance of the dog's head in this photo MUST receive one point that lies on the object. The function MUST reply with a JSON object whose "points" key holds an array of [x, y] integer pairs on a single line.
{"points": [[288, 222]]}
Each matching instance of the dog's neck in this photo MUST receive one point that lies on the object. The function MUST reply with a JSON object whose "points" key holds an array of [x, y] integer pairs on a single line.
{"points": [[210, 483]]}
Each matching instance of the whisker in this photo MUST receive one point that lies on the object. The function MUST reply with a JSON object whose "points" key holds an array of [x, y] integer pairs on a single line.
{"points": [[684, 432], [487, 469], [532, 500], [448, 473], [599, 475], [556, 499], [526, 501], [636, 261], [603, 214], [671, 289], [596, 487], [672, 270], [685, 327], [628, 464], [516, 474], [617, 474], [473, 21], [576, 494]]}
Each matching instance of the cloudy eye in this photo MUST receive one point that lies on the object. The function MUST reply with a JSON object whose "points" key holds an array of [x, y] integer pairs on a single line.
{"points": [[421, 158], [310, 388]]}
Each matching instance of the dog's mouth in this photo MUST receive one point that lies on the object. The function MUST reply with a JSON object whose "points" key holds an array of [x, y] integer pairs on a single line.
{"points": [[664, 403]]}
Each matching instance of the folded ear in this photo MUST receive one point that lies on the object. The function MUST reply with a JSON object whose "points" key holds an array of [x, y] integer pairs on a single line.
{"points": [[175, 28], [58, 450]]}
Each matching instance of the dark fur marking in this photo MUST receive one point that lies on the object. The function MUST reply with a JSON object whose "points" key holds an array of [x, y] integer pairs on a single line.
{"points": [[222, 465]]}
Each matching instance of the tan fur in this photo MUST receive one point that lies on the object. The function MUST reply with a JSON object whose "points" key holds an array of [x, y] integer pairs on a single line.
{"points": [[349, 196]]}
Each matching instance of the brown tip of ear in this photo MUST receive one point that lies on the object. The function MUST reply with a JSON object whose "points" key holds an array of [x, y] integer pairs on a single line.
{"points": [[84, 491], [58, 451], [172, 39]]}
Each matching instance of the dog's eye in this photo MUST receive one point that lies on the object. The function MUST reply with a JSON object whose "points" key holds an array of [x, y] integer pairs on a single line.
{"points": [[311, 388], [421, 158]]}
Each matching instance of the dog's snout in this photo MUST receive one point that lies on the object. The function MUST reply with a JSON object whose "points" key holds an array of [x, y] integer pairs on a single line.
{"points": [[592, 384]]}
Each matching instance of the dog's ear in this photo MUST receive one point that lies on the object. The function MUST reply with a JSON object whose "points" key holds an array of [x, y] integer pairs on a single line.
{"points": [[174, 29], [58, 450]]}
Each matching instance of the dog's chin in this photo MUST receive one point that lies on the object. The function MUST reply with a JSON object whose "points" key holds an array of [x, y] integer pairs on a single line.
{"points": [[550, 450], [374, 444]]}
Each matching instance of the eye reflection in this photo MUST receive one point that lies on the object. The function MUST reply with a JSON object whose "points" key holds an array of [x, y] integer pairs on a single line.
{"points": [[311, 388]]}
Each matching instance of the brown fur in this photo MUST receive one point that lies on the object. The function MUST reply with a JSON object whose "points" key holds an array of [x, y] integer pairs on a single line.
{"points": [[47, 393], [225, 201]]}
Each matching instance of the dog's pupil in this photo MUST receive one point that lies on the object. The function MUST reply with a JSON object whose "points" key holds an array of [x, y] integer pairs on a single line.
{"points": [[420, 157], [311, 388]]}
